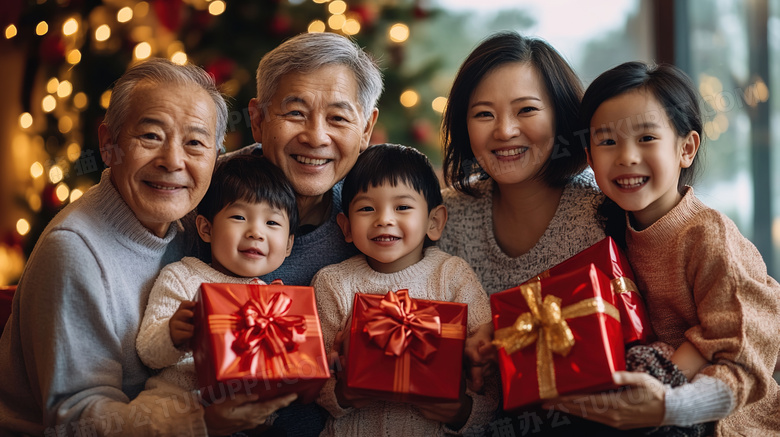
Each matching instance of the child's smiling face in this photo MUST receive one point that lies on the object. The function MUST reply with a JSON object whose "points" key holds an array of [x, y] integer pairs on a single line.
{"points": [[247, 239], [636, 155], [389, 224]]}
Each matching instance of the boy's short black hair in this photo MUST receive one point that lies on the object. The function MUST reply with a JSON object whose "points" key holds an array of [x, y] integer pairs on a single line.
{"points": [[253, 179], [394, 164]]}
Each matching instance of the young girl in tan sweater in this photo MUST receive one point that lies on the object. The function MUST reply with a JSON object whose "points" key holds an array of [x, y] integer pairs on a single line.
{"points": [[706, 285]]}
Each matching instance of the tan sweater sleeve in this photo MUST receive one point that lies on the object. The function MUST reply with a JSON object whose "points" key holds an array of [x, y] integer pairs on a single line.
{"points": [[737, 306]]}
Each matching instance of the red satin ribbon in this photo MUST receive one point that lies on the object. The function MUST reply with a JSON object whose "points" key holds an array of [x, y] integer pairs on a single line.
{"points": [[265, 331], [397, 324]]}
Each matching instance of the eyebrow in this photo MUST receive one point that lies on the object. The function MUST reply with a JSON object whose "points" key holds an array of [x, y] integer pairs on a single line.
{"points": [[364, 196], [189, 128], [341, 104], [642, 126], [517, 100]]}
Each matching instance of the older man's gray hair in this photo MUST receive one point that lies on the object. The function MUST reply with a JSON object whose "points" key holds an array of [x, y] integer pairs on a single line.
{"points": [[161, 71], [309, 52]]}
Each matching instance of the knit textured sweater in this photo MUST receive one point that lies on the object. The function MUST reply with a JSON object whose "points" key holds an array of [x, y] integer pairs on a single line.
{"points": [[438, 276], [706, 283], [177, 282], [68, 363], [470, 235]]}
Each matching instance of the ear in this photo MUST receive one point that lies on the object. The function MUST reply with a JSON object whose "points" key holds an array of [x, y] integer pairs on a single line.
{"points": [[289, 245], [343, 222], [437, 218], [204, 228], [366, 136], [105, 144], [256, 118], [689, 149]]}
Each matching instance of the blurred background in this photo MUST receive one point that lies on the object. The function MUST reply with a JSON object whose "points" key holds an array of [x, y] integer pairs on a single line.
{"points": [[60, 58]]}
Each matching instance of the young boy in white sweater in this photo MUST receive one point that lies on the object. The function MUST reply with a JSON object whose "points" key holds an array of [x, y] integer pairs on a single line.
{"points": [[393, 213], [248, 216]]}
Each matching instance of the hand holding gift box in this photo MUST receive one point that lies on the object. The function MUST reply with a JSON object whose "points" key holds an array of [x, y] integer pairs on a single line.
{"points": [[556, 336], [262, 339], [608, 257], [405, 349]]}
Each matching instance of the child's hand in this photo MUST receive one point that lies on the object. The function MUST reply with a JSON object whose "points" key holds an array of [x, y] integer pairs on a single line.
{"points": [[181, 325], [480, 356], [338, 363]]}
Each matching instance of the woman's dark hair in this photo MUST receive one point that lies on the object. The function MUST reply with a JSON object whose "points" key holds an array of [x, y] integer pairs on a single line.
{"points": [[393, 164], [677, 95], [563, 88], [253, 179]]}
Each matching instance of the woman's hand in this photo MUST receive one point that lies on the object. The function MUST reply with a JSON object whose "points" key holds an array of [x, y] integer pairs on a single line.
{"points": [[638, 403], [241, 411], [480, 357]]}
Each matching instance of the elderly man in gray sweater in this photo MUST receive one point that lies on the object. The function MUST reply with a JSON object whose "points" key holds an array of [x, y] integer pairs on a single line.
{"points": [[68, 364]]}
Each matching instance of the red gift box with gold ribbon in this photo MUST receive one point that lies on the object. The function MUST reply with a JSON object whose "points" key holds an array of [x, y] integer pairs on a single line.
{"points": [[556, 336], [404, 349], [263, 339], [608, 257]]}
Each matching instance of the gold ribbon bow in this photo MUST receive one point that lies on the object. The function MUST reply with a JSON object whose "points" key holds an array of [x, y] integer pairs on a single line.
{"points": [[545, 324]]}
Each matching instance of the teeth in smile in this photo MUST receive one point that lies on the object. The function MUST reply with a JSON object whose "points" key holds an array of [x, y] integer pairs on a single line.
{"points": [[631, 182], [385, 238], [310, 161], [160, 187], [511, 152]]}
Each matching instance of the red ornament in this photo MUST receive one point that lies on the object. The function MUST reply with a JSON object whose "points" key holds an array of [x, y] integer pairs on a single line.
{"points": [[169, 13], [52, 49], [221, 69], [50, 197], [367, 13], [422, 130], [280, 25]]}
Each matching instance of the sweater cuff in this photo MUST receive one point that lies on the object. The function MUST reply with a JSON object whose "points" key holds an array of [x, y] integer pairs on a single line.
{"points": [[706, 399], [330, 402]]}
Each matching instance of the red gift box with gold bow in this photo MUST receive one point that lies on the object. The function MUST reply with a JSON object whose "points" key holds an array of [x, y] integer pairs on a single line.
{"points": [[608, 257], [404, 349], [263, 339], [556, 336]]}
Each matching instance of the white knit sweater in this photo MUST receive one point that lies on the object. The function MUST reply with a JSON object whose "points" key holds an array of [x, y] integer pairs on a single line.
{"points": [[438, 276], [177, 282]]}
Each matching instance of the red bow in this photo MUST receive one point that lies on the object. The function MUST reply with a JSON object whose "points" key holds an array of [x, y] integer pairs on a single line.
{"points": [[397, 322], [267, 331]]}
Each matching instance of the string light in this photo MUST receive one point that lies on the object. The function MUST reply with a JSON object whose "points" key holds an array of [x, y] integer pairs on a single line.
{"points": [[10, 31], [73, 152], [399, 32], [141, 9], [439, 103], [409, 98], [80, 100], [34, 200], [316, 26], [124, 15], [351, 27], [103, 32], [70, 27], [65, 124], [74, 57], [22, 227], [336, 22], [179, 58], [105, 99], [62, 192], [337, 7], [75, 194], [48, 103], [216, 7], [25, 120], [51, 85], [321, 1], [36, 169], [142, 50], [41, 28], [55, 174], [64, 89]]}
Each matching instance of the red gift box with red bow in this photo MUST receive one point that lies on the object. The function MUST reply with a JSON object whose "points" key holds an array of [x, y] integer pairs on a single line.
{"points": [[608, 257], [556, 336], [263, 339], [404, 349]]}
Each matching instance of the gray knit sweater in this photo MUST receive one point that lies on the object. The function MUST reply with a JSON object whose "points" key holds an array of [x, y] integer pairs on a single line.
{"points": [[469, 233], [67, 355]]}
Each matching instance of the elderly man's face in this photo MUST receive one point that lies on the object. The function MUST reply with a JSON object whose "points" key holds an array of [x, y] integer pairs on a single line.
{"points": [[166, 152], [314, 128]]}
